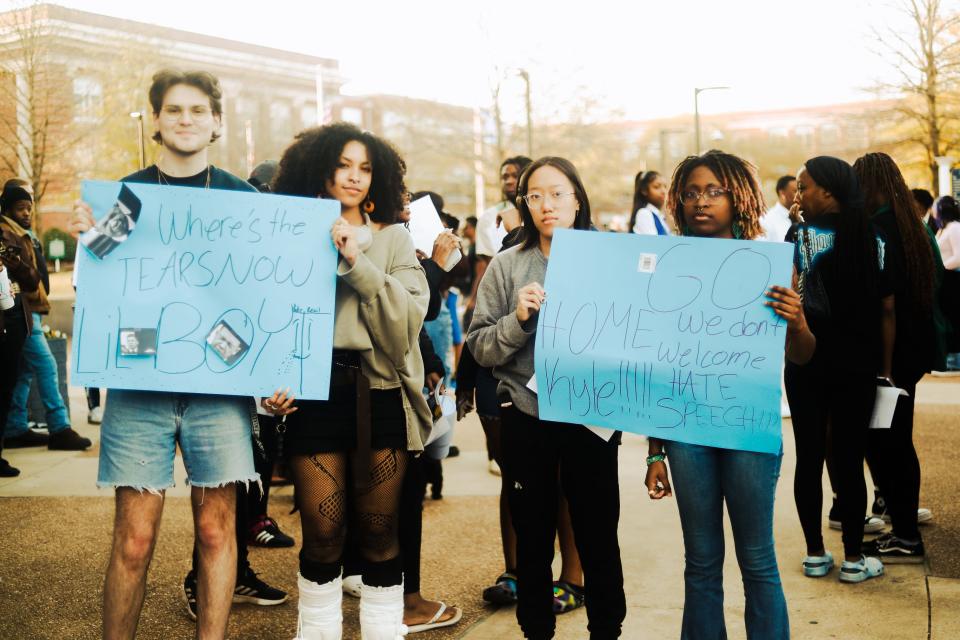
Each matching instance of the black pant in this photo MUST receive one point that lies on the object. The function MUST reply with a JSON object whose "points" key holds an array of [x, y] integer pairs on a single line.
{"points": [[894, 464], [263, 464], [411, 523], [534, 451], [12, 337], [837, 407]]}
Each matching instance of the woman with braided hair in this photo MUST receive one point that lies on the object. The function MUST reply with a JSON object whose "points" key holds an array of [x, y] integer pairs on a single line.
{"points": [[348, 454], [914, 272], [716, 195], [849, 304]]}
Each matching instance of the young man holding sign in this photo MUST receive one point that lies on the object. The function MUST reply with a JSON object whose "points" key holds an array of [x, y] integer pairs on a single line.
{"points": [[141, 428]]}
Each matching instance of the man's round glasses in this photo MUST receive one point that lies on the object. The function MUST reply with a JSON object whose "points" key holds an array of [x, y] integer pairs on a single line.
{"points": [[535, 200], [710, 195]]}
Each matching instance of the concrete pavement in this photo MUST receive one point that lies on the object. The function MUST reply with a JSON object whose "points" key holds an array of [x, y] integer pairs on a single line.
{"points": [[62, 525], [58, 531]]}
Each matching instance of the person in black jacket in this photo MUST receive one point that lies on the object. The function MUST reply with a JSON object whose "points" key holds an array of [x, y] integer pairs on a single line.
{"points": [[22, 278], [37, 360]]}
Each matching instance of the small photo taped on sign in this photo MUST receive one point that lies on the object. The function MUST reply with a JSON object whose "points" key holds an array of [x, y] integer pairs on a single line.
{"points": [[135, 341], [226, 343]]}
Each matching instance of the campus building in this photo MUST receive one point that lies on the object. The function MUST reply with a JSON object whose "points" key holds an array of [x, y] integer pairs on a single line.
{"points": [[76, 77]]}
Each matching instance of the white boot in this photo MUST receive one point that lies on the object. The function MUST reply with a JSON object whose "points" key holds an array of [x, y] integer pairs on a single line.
{"points": [[381, 613], [320, 606]]}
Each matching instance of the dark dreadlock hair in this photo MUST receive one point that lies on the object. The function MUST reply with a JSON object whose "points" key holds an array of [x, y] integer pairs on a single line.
{"points": [[883, 184], [641, 183], [735, 174], [312, 159]]}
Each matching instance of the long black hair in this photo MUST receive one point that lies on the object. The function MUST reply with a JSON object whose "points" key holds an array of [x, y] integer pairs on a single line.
{"points": [[856, 254], [531, 236], [947, 210], [883, 184], [312, 159], [641, 183]]}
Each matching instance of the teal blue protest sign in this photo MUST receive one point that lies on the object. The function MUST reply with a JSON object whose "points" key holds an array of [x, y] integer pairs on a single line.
{"points": [[664, 336], [209, 291]]}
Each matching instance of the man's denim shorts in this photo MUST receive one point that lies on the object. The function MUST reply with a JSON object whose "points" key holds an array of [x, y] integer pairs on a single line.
{"points": [[141, 429]]}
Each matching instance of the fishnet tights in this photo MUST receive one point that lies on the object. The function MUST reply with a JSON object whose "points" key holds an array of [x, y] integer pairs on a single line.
{"points": [[325, 484]]}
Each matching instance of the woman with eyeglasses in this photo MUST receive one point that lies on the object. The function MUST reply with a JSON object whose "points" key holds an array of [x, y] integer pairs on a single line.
{"points": [[649, 195], [502, 334], [716, 195], [848, 300], [348, 454]]}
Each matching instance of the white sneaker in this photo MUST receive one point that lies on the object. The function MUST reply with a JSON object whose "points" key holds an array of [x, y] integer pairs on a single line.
{"points": [[871, 524], [494, 468], [95, 416], [923, 515]]}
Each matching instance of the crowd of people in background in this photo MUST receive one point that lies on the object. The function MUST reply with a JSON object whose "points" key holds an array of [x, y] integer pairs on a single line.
{"points": [[875, 299]]}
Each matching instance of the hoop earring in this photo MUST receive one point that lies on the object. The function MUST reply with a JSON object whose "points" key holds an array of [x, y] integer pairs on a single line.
{"points": [[368, 206]]}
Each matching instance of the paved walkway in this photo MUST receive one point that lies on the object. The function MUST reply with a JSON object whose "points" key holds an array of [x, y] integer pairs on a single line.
{"points": [[63, 525], [51, 564]]}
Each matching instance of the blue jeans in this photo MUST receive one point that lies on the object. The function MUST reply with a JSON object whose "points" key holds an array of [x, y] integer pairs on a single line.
{"points": [[440, 331], [37, 360], [703, 478], [141, 431]]}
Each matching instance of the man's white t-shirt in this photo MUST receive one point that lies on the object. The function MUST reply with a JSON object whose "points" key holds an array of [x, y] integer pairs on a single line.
{"points": [[489, 235], [776, 223]]}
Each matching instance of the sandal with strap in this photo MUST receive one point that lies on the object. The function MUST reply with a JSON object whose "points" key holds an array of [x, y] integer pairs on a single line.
{"points": [[567, 597], [435, 622], [503, 592]]}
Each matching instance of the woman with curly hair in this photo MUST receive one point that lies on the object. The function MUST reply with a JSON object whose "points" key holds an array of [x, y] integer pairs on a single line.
{"points": [[914, 274], [348, 454], [716, 195]]}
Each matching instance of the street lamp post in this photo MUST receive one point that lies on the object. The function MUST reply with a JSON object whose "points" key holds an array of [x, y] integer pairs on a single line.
{"points": [[696, 114], [526, 78], [138, 116]]}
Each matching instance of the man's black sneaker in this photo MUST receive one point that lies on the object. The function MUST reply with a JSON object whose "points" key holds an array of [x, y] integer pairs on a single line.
{"points": [[28, 438], [891, 549], [253, 590], [266, 533], [68, 440], [190, 594]]}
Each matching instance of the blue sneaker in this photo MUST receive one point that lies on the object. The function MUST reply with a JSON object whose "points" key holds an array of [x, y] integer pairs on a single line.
{"points": [[864, 569], [818, 566]]}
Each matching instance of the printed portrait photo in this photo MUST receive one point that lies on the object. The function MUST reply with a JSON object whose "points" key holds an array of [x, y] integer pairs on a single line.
{"points": [[138, 341], [226, 343], [115, 227]]}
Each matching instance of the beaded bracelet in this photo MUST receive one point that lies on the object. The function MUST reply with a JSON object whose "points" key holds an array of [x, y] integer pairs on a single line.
{"points": [[660, 457]]}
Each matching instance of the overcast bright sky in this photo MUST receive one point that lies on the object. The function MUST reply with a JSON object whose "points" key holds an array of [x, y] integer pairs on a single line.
{"points": [[639, 57]]}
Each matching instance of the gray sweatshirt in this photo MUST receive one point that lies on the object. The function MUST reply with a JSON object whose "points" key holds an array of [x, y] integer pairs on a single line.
{"points": [[496, 338]]}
